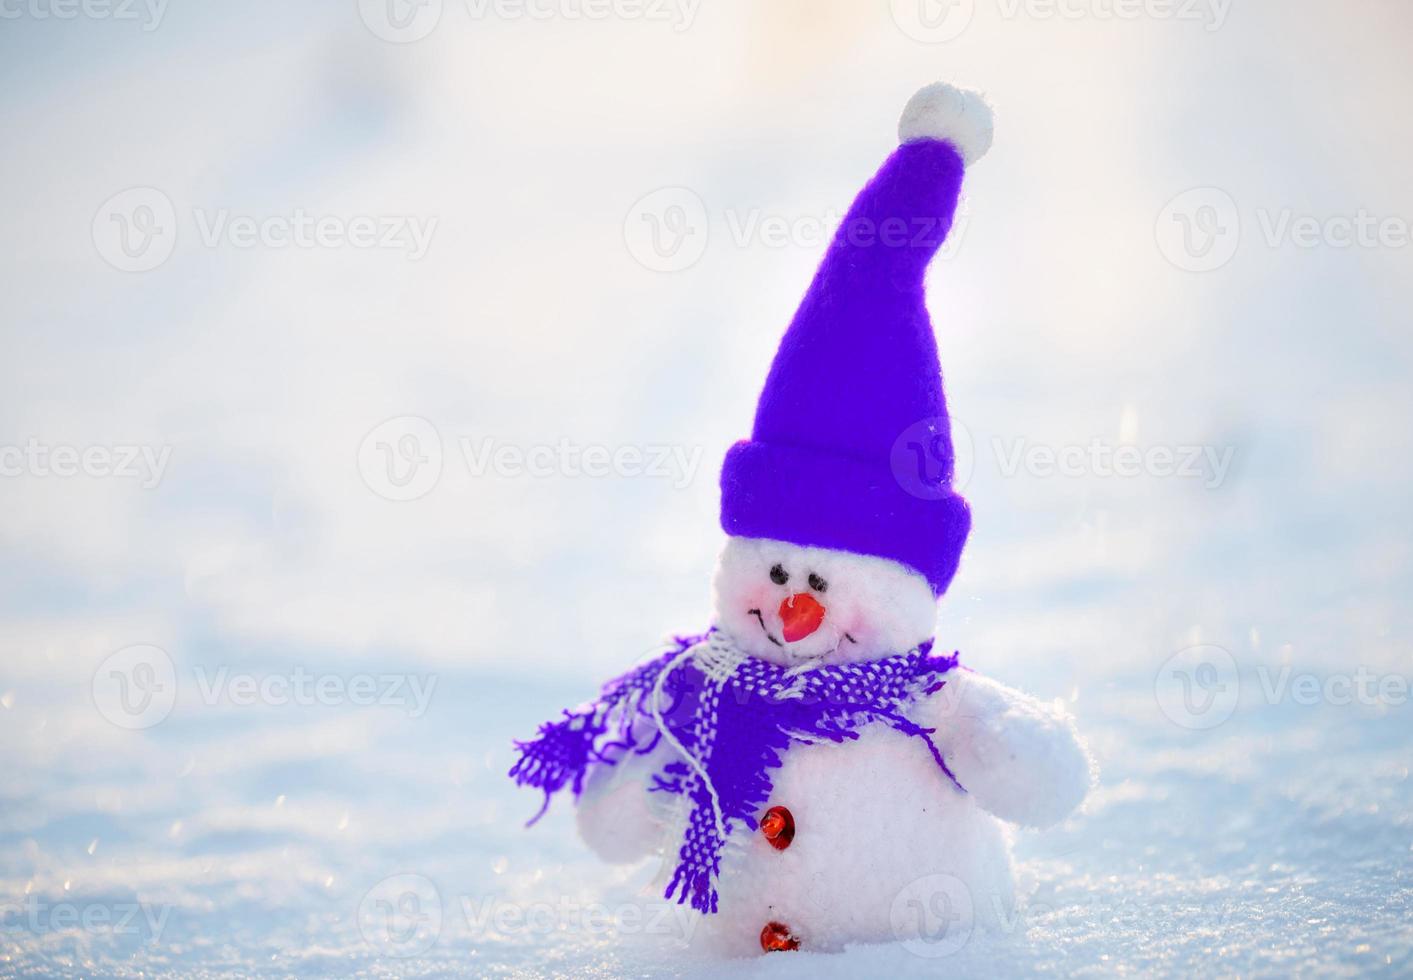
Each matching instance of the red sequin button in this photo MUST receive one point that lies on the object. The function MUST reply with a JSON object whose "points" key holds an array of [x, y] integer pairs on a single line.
{"points": [[778, 826], [775, 938]]}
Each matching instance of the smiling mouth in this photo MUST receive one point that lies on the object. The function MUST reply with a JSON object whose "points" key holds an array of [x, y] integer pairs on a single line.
{"points": [[761, 619], [757, 614]]}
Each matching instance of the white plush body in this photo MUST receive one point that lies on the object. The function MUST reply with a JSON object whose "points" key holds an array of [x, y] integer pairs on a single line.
{"points": [[874, 815]]}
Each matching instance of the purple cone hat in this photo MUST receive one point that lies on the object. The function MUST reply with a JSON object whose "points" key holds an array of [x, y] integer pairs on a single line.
{"points": [[857, 376]]}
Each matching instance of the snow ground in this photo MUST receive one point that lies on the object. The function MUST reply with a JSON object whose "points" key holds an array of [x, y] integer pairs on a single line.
{"points": [[1259, 848]]}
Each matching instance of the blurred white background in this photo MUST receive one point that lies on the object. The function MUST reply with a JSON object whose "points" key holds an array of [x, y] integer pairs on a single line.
{"points": [[242, 239]]}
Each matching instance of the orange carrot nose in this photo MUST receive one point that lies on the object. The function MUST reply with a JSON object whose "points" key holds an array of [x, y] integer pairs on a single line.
{"points": [[800, 615]]}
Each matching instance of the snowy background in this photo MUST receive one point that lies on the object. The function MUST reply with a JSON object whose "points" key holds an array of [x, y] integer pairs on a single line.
{"points": [[255, 706]]}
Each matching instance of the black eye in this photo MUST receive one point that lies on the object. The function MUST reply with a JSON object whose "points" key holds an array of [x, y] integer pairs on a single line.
{"points": [[817, 583], [778, 575]]}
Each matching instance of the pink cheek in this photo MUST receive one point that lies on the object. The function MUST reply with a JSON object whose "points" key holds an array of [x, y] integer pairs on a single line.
{"points": [[758, 598], [853, 623]]}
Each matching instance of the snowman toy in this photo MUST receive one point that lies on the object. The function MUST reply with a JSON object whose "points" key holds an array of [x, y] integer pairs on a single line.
{"points": [[812, 771]]}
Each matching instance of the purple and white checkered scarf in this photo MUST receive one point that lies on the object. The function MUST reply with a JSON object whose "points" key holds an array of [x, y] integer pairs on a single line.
{"points": [[730, 716]]}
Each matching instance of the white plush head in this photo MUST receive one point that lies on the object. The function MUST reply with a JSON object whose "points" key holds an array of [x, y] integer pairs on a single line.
{"points": [[792, 605]]}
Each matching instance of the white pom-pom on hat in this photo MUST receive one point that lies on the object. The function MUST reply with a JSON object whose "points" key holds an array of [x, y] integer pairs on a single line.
{"points": [[944, 112]]}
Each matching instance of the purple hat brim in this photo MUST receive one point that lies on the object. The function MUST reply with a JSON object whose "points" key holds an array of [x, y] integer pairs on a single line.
{"points": [[826, 500]]}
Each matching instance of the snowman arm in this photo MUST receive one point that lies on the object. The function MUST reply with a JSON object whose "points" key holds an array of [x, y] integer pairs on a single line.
{"points": [[1021, 760], [617, 817]]}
